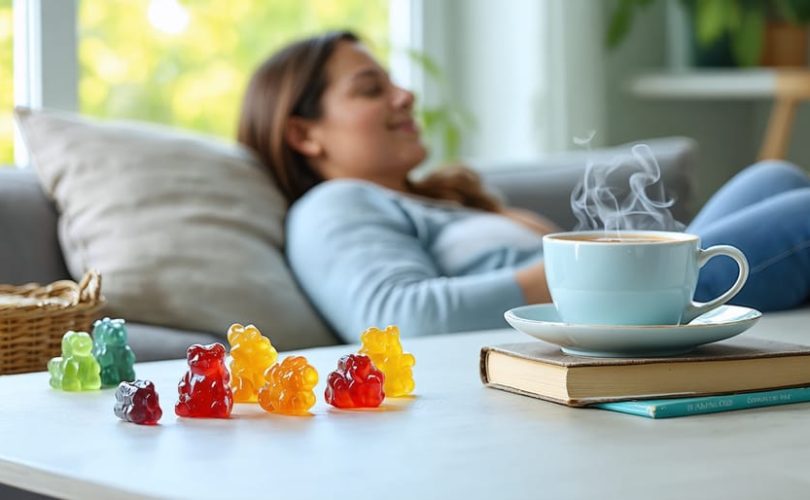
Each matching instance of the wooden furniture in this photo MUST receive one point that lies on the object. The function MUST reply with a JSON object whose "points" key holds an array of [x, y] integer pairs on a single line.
{"points": [[786, 87], [453, 439]]}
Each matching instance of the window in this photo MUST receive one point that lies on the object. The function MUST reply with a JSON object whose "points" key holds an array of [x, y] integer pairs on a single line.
{"points": [[6, 87], [187, 63]]}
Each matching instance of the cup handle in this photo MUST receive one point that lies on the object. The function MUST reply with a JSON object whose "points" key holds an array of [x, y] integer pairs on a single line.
{"points": [[695, 309]]}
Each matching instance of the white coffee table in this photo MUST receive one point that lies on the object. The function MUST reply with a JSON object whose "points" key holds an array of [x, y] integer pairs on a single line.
{"points": [[454, 439]]}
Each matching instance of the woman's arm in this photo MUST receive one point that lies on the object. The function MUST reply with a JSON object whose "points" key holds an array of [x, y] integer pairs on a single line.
{"points": [[357, 256], [535, 222]]}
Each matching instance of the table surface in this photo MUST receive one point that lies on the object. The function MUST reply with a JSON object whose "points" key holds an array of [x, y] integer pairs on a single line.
{"points": [[453, 439]]}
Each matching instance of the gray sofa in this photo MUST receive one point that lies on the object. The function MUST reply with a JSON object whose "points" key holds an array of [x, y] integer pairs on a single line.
{"points": [[30, 251]]}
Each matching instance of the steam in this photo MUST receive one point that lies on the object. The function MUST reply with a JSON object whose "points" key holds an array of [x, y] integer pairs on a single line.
{"points": [[623, 194]]}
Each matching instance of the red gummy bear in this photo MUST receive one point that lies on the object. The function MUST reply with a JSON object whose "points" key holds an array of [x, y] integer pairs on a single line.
{"points": [[356, 383], [205, 390], [137, 402]]}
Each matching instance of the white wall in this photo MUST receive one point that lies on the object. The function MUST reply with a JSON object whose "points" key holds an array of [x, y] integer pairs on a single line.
{"points": [[495, 68], [575, 74], [725, 130], [536, 73], [529, 71]]}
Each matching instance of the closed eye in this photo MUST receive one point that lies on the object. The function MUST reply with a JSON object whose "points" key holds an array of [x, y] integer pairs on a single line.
{"points": [[370, 82]]}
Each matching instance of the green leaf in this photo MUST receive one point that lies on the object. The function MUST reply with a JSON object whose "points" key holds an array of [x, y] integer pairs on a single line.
{"points": [[444, 123], [712, 19], [621, 19], [427, 63], [620, 22], [747, 40], [430, 118], [794, 11], [802, 10], [786, 11], [452, 142], [735, 14]]}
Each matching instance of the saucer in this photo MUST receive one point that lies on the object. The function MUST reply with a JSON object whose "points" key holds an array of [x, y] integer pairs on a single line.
{"points": [[632, 341]]}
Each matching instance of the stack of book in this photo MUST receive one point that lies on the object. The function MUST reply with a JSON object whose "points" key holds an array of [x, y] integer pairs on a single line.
{"points": [[738, 373]]}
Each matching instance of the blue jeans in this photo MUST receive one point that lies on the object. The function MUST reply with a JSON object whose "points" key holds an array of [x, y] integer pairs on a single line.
{"points": [[765, 212]]}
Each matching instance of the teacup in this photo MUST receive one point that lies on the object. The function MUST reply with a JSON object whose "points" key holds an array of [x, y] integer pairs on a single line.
{"points": [[631, 277]]}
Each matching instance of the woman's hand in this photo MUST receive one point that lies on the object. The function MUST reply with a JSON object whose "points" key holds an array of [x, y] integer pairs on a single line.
{"points": [[532, 281]]}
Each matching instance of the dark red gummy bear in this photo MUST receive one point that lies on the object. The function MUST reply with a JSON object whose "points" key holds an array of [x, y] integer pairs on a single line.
{"points": [[205, 389], [356, 383], [137, 402]]}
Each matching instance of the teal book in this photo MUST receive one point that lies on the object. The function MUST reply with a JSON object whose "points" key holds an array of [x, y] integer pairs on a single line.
{"points": [[682, 407]]}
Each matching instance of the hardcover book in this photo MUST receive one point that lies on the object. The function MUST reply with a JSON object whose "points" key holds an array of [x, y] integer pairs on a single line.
{"points": [[741, 364]]}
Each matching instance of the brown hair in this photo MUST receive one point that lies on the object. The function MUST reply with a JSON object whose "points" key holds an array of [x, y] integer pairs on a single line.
{"points": [[291, 83]]}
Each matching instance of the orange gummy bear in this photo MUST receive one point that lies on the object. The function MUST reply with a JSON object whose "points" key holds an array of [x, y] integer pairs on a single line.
{"points": [[289, 387], [385, 351], [252, 354]]}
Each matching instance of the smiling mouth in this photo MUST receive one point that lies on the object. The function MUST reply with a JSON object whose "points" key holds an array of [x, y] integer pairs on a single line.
{"points": [[406, 126]]}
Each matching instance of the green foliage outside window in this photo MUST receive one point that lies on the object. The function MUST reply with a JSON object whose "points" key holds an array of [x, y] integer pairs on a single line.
{"points": [[195, 77], [188, 66], [6, 85]]}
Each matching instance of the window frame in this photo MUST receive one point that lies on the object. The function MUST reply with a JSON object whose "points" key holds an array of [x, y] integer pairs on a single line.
{"points": [[45, 59], [46, 65]]}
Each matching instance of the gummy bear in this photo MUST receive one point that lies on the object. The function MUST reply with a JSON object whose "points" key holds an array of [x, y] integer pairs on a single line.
{"points": [[289, 387], [76, 369], [252, 355], [137, 402], [204, 389], [112, 352], [356, 383], [385, 351]]}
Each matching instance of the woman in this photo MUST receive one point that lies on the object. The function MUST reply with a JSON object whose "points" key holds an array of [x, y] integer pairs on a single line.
{"points": [[371, 247]]}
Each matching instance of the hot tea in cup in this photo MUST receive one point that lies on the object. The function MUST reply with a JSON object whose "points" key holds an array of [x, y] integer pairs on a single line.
{"points": [[631, 277]]}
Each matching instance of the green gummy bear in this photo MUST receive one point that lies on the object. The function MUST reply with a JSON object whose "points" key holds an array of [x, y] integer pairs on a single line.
{"points": [[76, 369], [112, 352]]}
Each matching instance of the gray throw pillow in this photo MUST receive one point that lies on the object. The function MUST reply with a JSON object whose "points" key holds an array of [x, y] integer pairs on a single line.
{"points": [[187, 232]]}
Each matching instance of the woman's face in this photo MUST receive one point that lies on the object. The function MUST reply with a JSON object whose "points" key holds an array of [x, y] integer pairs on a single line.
{"points": [[366, 129]]}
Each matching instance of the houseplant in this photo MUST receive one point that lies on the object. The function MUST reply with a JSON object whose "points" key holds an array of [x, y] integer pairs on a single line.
{"points": [[444, 122], [739, 28]]}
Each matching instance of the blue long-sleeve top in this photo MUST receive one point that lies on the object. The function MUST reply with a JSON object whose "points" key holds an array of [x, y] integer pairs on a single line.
{"points": [[369, 256]]}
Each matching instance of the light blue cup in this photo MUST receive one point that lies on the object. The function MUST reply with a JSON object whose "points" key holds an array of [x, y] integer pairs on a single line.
{"points": [[634, 281]]}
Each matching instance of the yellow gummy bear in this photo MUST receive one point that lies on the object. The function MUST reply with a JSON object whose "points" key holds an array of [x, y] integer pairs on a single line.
{"points": [[289, 387], [385, 351], [252, 354]]}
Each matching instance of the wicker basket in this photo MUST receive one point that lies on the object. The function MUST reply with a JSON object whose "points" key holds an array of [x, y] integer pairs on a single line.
{"points": [[34, 318]]}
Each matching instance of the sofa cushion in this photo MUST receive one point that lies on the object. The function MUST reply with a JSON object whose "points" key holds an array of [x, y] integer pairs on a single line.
{"points": [[156, 343], [186, 231], [544, 185], [29, 249]]}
